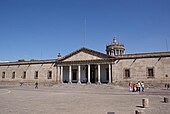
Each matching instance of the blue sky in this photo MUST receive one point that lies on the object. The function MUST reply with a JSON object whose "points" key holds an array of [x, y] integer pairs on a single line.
{"points": [[39, 29]]}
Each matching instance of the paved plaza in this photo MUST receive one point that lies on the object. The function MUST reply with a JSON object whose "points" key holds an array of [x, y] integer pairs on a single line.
{"points": [[80, 99]]}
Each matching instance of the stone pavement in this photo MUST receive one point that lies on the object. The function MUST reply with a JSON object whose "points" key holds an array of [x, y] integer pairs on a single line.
{"points": [[80, 99]]}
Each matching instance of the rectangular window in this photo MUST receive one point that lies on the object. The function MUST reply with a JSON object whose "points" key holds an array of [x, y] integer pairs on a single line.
{"points": [[3, 74], [49, 75], [13, 75], [127, 73], [150, 72], [36, 75], [24, 75]]}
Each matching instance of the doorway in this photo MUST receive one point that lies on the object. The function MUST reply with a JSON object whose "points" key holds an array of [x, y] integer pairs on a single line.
{"points": [[92, 74]]}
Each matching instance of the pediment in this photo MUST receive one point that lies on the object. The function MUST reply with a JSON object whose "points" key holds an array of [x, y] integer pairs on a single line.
{"points": [[84, 54]]}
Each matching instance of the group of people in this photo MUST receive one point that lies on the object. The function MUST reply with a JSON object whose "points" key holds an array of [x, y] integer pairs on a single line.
{"points": [[136, 87]]}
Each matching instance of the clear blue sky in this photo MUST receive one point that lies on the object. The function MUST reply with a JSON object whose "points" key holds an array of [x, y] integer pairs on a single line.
{"points": [[39, 29]]}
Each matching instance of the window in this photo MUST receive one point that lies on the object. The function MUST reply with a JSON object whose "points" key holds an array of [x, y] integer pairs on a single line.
{"points": [[3, 74], [127, 73], [13, 75], [36, 75], [49, 75], [150, 72], [24, 75]]}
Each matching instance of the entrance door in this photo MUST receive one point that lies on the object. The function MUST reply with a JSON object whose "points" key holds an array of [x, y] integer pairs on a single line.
{"points": [[74, 76], [92, 73]]}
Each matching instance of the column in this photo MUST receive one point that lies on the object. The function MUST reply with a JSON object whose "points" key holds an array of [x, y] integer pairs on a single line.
{"points": [[70, 73], [79, 72], [61, 74], [88, 74], [99, 74], [109, 73], [58, 77]]}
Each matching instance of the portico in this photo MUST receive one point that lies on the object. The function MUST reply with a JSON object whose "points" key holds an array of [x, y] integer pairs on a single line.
{"points": [[85, 66], [89, 73]]}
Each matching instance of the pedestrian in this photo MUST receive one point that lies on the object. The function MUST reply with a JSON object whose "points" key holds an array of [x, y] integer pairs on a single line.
{"points": [[168, 85], [139, 86], [143, 86], [130, 86], [134, 87], [165, 85], [36, 85]]}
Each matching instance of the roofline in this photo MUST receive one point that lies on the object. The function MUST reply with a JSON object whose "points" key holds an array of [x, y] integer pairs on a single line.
{"points": [[29, 62], [144, 55], [125, 56], [83, 48]]}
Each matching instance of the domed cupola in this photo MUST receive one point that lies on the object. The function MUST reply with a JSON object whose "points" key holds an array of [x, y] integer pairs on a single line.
{"points": [[115, 49]]}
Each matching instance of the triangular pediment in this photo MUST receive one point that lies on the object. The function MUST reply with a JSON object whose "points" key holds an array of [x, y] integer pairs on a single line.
{"points": [[84, 54]]}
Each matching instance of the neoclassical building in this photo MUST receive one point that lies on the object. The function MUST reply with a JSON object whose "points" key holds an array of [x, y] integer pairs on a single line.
{"points": [[89, 66]]}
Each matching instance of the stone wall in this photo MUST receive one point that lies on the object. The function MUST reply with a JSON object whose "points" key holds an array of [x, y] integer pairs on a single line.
{"points": [[30, 69], [138, 65], [139, 69]]}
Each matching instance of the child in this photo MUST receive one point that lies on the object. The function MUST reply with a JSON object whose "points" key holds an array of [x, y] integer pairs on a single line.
{"points": [[134, 87], [130, 86]]}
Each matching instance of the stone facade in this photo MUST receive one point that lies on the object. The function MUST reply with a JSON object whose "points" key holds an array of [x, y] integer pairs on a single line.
{"points": [[26, 71], [138, 68], [89, 66]]}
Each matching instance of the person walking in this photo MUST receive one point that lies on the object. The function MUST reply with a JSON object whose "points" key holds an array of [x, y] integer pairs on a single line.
{"points": [[168, 85], [134, 88], [139, 86], [130, 87], [143, 86], [36, 85]]}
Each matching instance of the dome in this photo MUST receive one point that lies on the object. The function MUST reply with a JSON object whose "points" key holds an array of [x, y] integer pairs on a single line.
{"points": [[115, 49]]}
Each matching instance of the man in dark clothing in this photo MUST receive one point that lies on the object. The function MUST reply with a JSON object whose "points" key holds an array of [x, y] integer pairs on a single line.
{"points": [[36, 85]]}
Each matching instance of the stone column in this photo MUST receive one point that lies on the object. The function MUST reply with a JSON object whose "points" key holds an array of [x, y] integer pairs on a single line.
{"points": [[79, 72], [109, 73], [61, 76], [70, 75], [58, 74], [99, 74], [88, 74]]}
